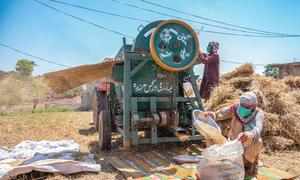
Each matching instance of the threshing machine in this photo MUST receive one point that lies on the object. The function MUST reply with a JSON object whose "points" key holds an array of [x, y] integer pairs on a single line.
{"points": [[142, 96], [144, 99]]}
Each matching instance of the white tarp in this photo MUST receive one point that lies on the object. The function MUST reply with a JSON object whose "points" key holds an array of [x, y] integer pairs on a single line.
{"points": [[45, 156]]}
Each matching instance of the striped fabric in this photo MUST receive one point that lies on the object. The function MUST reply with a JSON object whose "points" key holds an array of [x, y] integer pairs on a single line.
{"points": [[152, 165], [160, 165]]}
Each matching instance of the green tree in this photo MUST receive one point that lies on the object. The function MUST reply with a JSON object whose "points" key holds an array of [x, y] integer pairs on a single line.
{"points": [[37, 90], [271, 71], [25, 67]]}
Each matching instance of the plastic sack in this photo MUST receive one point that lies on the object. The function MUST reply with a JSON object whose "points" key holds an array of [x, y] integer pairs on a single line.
{"points": [[224, 162]]}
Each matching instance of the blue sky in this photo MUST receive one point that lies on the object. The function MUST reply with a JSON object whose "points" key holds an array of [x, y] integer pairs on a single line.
{"points": [[36, 29]]}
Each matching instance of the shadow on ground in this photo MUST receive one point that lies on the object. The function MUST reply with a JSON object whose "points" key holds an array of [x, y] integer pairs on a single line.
{"points": [[87, 132]]}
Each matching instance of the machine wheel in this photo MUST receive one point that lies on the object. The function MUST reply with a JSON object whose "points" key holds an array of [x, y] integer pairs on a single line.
{"points": [[174, 45], [96, 110], [99, 103], [104, 130]]}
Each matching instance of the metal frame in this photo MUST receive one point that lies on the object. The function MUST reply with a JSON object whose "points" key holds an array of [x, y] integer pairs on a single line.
{"points": [[129, 130]]}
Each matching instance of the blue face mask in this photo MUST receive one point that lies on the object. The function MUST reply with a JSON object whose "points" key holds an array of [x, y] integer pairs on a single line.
{"points": [[243, 112], [209, 48]]}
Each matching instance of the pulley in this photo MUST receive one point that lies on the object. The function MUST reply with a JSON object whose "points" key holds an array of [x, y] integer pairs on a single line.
{"points": [[174, 45]]}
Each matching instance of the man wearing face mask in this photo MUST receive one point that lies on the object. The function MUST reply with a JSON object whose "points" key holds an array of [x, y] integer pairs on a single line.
{"points": [[211, 70], [246, 126]]}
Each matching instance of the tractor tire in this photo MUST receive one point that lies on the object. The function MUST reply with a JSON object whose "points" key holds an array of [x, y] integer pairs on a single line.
{"points": [[99, 104], [104, 130]]}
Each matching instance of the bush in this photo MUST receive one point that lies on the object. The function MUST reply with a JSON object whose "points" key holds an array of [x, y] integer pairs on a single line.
{"points": [[12, 91]]}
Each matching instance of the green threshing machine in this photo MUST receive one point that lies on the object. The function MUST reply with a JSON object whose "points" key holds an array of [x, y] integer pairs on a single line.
{"points": [[147, 93], [144, 99]]}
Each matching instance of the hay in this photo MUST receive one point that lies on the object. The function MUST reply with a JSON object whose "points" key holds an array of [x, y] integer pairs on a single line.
{"points": [[290, 125], [279, 99], [242, 71], [257, 88], [278, 143], [271, 125], [296, 96], [242, 83], [292, 81], [275, 102], [223, 95]]}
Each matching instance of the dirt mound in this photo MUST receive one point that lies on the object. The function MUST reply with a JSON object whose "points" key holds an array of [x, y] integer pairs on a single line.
{"points": [[279, 99]]}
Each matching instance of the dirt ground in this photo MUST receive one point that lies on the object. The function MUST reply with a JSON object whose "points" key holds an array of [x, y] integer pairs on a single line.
{"points": [[17, 127], [72, 103]]}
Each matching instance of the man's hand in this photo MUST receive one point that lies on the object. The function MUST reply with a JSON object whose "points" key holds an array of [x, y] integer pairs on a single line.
{"points": [[201, 56], [204, 55], [245, 138]]}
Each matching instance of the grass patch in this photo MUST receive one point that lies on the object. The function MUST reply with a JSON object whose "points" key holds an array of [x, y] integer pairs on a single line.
{"points": [[18, 127], [54, 109], [34, 111]]}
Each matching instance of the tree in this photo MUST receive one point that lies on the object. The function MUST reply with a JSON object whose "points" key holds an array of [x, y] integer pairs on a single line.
{"points": [[11, 92], [37, 90], [15, 90], [25, 67], [271, 71]]}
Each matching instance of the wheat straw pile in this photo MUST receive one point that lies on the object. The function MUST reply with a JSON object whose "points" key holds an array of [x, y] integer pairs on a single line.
{"points": [[279, 99]]}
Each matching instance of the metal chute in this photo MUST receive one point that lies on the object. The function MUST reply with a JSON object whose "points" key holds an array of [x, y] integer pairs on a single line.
{"points": [[64, 80]]}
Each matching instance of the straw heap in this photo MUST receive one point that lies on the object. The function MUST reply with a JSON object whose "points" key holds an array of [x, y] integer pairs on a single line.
{"points": [[279, 99]]}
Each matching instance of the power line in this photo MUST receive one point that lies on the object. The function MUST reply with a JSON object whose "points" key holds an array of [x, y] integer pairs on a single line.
{"points": [[235, 34], [212, 20], [143, 20], [193, 21], [100, 11], [52, 62], [231, 62], [83, 20], [240, 63], [33, 56], [249, 62], [127, 17]]}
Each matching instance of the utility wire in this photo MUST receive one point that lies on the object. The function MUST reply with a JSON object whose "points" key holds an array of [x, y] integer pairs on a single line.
{"points": [[33, 56], [240, 63], [147, 21], [99, 11], [212, 20], [235, 34], [52, 62], [83, 20], [193, 21], [127, 17], [232, 62]]}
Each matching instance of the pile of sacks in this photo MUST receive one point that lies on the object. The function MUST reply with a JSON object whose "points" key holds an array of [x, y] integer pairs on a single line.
{"points": [[279, 99]]}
